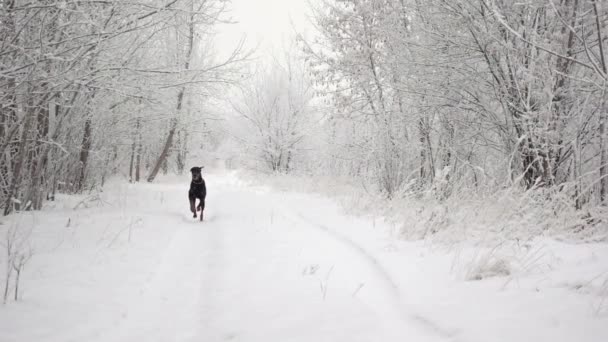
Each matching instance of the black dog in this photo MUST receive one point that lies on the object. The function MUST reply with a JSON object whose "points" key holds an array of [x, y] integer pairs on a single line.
{"points": [[197, 190]]}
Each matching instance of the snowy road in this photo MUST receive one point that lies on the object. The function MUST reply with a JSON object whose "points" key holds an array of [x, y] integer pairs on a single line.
{"points": [[255, 271], [258, 269]]}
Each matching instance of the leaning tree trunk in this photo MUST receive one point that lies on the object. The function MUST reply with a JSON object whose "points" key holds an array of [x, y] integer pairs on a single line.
{"points": [[165, 152], [180, 98]]}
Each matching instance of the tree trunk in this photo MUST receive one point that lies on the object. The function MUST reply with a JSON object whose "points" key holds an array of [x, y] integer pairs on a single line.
{"points": [[577, 176], [84, 154], [162, 159], [603, 114], [139, 151], [8, 118], [132, 161], [165, 152], [22, 153], [422, 151], [603, 156], [180, 158], [39, 159]]}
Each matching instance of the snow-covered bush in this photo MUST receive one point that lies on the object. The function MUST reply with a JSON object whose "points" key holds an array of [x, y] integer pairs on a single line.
{"points": [[487, 217], [487, 266], [16, 252]]}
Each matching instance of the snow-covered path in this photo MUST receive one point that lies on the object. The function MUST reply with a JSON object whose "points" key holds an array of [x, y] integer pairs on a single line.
{"points": [[255, 270], [133, 265]]}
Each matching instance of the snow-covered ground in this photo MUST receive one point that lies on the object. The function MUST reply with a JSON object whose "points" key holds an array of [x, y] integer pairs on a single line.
{"points": [[269, 265]]}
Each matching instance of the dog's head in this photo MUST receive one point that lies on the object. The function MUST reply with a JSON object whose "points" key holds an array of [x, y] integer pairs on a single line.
{"points": [[196, 173]]}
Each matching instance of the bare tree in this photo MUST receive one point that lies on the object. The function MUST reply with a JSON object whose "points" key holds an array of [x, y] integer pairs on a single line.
{"points": [[276, 111], [506, 90], [80, 81]]}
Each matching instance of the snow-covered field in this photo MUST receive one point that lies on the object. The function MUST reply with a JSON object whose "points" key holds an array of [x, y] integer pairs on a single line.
{"points": [[269, 265]]}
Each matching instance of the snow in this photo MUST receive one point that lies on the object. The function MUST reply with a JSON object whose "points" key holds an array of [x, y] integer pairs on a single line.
{"points": [[130, 264]]}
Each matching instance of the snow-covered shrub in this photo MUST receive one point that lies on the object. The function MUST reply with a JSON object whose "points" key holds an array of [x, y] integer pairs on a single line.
{"points": [[16, 252], [486, 216], [506, 214], [487, 265]]}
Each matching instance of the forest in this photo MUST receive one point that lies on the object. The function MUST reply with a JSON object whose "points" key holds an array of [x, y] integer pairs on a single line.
{"points": [[391, 170], [413, 98]]}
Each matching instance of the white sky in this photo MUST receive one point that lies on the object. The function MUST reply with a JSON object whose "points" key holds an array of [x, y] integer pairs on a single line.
{"points": [[265, 23]]}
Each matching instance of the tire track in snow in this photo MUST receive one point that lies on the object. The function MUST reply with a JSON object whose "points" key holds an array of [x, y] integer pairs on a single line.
{"points": [[185, 302], [383, 274], [170, 295]]}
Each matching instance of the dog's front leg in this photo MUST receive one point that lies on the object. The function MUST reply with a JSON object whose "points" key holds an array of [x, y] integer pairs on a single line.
{"points": [[201, 207], [192, 207]]}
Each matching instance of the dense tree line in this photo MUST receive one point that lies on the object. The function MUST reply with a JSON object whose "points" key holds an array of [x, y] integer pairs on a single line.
{"points": [[458, 94], [408, 95], [93, 88]]}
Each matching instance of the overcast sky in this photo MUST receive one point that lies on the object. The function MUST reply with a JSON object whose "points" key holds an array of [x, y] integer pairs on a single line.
{"points": [[265, 23]]}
